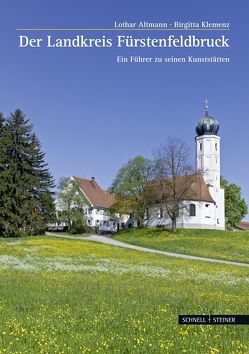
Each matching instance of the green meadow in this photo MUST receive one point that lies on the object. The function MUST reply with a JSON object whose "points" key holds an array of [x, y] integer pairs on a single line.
{"points": [[72, 296], [227, 245]]}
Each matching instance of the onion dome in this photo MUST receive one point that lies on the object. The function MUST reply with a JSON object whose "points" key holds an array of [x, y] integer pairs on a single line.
{"points": [[207, 125]]}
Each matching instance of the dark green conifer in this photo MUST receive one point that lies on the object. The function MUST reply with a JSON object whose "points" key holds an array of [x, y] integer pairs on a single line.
{"points": [[26, 203], [2, 121]]}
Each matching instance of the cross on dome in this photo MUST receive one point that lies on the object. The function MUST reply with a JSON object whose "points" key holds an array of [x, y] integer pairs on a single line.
{"points": [[206, 106]]}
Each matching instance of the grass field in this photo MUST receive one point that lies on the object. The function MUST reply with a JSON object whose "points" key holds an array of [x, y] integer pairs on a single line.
{"points": [[228, 245], [69, 296]]}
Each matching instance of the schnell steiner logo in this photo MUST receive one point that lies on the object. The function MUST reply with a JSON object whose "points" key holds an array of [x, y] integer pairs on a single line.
{"points": [[213, 320]]}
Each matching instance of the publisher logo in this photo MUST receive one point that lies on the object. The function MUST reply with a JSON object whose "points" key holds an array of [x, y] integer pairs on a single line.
{"points": [[213, 319]]}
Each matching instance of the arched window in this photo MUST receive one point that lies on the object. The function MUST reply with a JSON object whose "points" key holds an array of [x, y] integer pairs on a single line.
{"points": [[200, 146], [216, 146], [192, 210]]}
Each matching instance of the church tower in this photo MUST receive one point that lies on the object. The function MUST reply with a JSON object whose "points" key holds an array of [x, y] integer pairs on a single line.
{"points": [[208, 149], [208, 164]]}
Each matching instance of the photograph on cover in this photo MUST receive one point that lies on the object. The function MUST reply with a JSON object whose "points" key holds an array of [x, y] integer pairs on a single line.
{"points": [[124, 193]]}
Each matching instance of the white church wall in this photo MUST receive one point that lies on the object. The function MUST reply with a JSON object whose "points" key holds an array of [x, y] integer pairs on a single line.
{"points": [[204, 217], [208, 158], [219, 211]]}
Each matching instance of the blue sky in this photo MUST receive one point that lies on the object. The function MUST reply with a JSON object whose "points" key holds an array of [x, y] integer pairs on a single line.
{"points": [[92, 114]]}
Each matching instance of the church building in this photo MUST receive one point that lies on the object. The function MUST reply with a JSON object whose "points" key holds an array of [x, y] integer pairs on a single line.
{"points": [[204, 207]]}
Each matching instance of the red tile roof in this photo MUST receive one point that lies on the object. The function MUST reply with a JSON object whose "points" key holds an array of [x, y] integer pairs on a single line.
{"points": [[199, 190], [94, 193], [192, 187], [243, 225]]}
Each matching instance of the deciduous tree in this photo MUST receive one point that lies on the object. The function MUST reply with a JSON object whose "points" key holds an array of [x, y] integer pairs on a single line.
{"points": [[71, 203], [235, 205], [131, 188], [173, 177]]}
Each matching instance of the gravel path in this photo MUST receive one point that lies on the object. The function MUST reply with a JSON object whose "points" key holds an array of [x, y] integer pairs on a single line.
{"points": [[112, 242]]}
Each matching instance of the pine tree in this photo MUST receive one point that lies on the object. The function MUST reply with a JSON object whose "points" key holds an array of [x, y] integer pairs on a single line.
{"points": [[26, 182], [2, 122]]}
